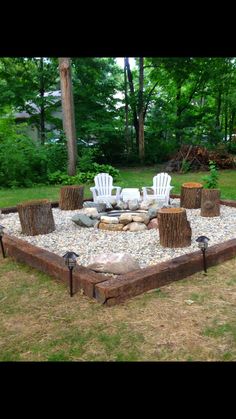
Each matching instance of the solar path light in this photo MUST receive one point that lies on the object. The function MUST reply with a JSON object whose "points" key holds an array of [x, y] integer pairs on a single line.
{"points": [[70, 261], [203, 245]]}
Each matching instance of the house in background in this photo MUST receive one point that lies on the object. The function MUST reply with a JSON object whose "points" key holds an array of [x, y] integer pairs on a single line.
{"points": [[53, 117]]}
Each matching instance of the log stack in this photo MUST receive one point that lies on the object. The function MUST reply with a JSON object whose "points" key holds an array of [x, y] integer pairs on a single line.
{"points": [[195, 158]]}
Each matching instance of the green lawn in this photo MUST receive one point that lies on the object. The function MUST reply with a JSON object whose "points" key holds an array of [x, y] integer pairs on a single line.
{"points": [[129, 177], [41, 322]]}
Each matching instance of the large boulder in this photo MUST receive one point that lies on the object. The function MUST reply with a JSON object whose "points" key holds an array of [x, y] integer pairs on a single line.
{"points": [[153, 224], [115, 263], [83, 220], [152, 212]]}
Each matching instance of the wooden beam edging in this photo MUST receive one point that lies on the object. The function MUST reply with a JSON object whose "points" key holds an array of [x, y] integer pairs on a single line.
{"points": [[116, 290], [52, 264]]}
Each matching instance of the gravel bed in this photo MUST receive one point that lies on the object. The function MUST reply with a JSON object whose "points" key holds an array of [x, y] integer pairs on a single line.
{"points": [[144, 245]]}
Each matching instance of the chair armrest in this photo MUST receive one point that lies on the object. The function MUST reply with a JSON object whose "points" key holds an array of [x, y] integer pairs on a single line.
{"points": [[93, 189], [118, 189]]}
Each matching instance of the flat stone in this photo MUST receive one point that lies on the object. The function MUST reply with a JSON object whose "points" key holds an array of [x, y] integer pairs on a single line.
{"points": [[134, 226], [116, 263], [133, 204], [109, 220], [91, 212], [120, 205], [100, 207], [125, 219], [110, 227], [141, 218], [152, 212], [83, 220]]}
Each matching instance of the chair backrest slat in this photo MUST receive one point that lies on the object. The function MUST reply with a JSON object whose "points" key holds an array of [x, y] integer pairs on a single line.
{"points": [[103, 183], [160, 183]]}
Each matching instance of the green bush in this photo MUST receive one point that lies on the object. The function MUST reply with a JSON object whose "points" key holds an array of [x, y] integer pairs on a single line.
{"points": [[62, 178], [23, 162], [212, 180]]}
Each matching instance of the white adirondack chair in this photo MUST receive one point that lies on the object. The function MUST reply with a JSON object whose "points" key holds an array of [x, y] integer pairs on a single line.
{"points": [[161, 188], [102, 191]]}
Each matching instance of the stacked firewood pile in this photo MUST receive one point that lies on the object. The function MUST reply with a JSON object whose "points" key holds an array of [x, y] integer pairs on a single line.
{"points": [[196, 158]]}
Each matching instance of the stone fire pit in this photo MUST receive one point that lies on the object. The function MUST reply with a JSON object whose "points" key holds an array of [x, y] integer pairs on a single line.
{"points": [[122, 216]]}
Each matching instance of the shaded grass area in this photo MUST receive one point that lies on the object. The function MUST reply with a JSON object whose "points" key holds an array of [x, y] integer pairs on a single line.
{"points": [[129, 177], [41, 322]]}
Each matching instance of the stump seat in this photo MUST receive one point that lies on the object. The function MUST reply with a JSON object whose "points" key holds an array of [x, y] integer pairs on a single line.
{"points": [[174, 228], [190, 197]]}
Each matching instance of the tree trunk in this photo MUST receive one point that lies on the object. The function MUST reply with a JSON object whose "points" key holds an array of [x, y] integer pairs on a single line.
{"points": [[126, 110], [42, 107], [68, 113], [36, 217], [71, 197], [174, 228], [141, 110], [133, 102], [218, 109], [178, 116], [210, 205], [191, 195]]}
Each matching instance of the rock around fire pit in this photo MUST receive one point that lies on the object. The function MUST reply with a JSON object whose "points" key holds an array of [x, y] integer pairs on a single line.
{"points": [[130, 216]]}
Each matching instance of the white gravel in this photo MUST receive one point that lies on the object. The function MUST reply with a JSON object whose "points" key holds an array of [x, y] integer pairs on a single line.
{"points": [[144, 245]]}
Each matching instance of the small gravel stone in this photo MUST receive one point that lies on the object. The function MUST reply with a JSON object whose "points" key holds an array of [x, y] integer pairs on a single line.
{"points": [[142, 245]]}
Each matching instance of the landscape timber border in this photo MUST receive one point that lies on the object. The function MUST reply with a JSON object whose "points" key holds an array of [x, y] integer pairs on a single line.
{"points": [[111, 291]]}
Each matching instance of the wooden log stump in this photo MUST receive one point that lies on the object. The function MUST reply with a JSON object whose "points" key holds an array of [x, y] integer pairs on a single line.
{"points": [[36, 217], [210, 203], [191, 195], [174, 228], [71, 197]]}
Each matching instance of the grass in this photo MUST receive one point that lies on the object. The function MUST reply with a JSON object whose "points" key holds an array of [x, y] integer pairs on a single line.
{"points": [[41, 322], [129, 177]]}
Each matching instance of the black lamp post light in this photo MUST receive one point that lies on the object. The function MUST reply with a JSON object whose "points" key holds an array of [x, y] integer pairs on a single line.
{"points": [[70, 261], [1, 235], [203, 245]]}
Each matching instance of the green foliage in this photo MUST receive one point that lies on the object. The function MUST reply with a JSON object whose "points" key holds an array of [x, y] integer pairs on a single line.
{"points": [[23, 162], [62, 178], [185, 167], [212, 179]]}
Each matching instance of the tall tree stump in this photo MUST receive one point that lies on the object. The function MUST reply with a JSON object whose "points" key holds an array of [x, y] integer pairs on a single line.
{"points": [[71, 197], [210, 204], [36, 217], [174, 228], [191, 195]]}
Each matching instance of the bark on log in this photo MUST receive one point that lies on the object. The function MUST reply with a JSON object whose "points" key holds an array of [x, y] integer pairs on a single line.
{"points": [[174, 228], [71, 197], [36, 217], [210, 205], [191, 195]]}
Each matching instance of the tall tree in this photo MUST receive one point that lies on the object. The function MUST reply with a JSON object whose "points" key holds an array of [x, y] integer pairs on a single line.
{"points": [[126, 107], [141, 113], [68, 113]]}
